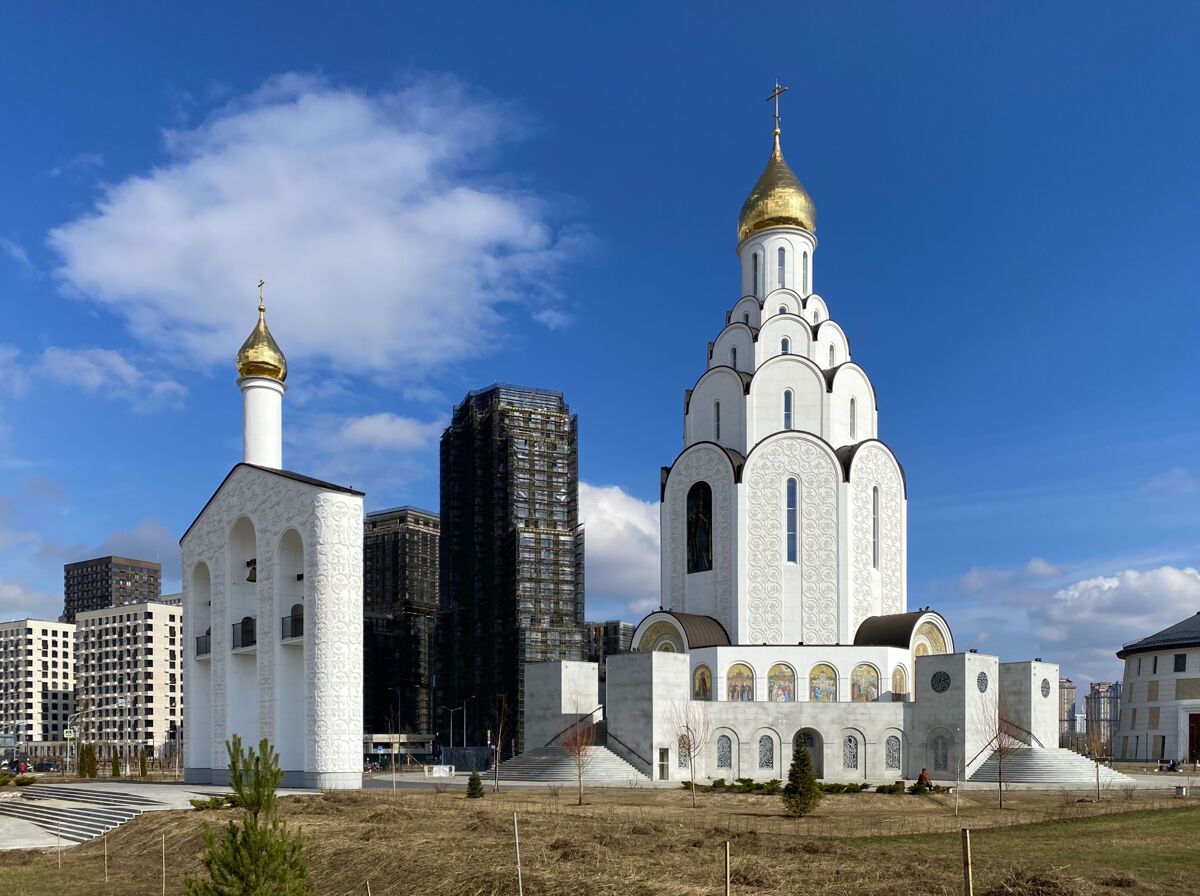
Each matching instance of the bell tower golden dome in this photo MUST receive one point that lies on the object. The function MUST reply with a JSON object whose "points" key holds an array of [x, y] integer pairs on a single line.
{"points": [[778, 199], [260, 354]]}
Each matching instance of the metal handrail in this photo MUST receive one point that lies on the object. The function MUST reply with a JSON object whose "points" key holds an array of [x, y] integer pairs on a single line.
{"points": [[634, 753], [576, 722], [993, 739], [1165, 642], [292, 626], [245, 634], [203, 645]]}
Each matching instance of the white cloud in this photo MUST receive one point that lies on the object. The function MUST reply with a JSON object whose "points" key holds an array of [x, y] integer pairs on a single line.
{"points": [[383, 248], [1175, 481], [389, 431], [96, 370], [18, 601], [552, 318], [1041, 567], [1087, 622], [16, 252], [13, 378], [621, 545]]}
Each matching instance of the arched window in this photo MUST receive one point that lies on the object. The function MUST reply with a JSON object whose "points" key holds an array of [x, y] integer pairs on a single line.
{"points": [[941, 753], [699, 528], [783, 309], [724, 752], [832, 356], [702, 683], [787, 408], [785, 346], [716, 421], [766, 751], [782, 263], [733, 357], [850, 752], [685, 751], [816, 316], [853, 420], [875, 527], [746, 318], [793, 502], [804, 273], [891, 753], [754, 274], [739, 684], [864, 684], [899, 685]]}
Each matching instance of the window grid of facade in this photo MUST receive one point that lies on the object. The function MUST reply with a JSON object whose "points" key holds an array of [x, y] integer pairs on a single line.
{"points": [[37, 679], [108, 582]]}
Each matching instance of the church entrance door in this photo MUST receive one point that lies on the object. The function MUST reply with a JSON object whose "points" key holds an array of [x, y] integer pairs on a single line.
{"points": [[1194, 737]]}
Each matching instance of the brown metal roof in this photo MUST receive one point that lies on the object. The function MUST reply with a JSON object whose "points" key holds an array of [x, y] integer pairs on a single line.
{"points": [[701, 631], [895, 630]]}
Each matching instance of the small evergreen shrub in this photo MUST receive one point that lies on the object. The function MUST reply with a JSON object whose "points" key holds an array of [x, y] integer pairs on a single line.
{"points": [[745, 785], [142, 769], [772, 787], [718, 784], [212, 802], [474, 787], [116, 764], [801, 795], [5, 778], [24, 780], [890, 788]]}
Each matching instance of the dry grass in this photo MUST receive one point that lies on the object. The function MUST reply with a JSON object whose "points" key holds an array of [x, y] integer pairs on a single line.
{"points": [[628, 843]]}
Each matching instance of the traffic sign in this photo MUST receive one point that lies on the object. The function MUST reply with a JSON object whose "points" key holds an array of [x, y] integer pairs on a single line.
{"points": [[69, 733]]}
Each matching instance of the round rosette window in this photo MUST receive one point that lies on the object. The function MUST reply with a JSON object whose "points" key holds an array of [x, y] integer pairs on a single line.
{"points": [[1045, 687], [940, 682], [982, 682]]}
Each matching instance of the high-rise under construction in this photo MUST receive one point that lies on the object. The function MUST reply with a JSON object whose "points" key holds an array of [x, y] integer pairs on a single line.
{"points": [[511, 558]]}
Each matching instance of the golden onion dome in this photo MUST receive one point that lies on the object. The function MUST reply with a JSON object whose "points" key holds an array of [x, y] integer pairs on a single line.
{"points": [[777, 200], [260, 354]]}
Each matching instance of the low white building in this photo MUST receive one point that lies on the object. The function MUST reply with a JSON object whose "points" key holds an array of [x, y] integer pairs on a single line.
{"points": [[785, 619], [273, 604], [1160, 696]]}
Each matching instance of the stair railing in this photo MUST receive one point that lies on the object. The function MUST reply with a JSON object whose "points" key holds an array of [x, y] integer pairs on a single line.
{"points": [[590, 715], [632, 752], [1005, 723]]}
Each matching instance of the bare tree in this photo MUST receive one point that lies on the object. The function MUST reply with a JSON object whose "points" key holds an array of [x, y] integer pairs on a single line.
{"points": [[499, 717], [692, 728], [1095, 745], [577, 742], [1002, 735]]}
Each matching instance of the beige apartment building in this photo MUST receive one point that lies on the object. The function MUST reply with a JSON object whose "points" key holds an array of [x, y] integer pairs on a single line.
{"points": [[129, 677], [37, 680]]}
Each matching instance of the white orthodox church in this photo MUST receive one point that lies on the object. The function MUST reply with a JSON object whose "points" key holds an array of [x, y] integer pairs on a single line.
{"points": [[272, 602], [785, 618]]}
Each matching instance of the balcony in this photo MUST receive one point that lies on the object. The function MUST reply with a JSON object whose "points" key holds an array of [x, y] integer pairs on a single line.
{"points": [[293, 627], [244, 634], [203, 645]]}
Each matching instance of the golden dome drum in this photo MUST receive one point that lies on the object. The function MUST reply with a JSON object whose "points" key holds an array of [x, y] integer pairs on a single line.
{"points": [[777, 200], [260, 354]]}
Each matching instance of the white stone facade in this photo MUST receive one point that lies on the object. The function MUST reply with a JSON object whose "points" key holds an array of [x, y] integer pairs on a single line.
{"points": [[302, 693]]}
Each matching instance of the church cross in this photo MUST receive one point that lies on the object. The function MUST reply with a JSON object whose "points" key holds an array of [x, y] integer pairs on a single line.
{"points": [[775, 95], [261, 304]]}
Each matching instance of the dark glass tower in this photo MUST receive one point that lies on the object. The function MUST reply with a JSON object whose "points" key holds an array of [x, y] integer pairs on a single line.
{"points": [[512, 559], [108, 582], [400, 600]]}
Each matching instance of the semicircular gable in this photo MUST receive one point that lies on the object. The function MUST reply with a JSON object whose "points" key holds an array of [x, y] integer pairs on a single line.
{"points": [[815, 303], [851, 368], [790, 325], [850, 453], [823, 336]]}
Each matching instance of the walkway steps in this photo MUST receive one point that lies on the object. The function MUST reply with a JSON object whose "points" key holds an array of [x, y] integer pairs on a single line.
{"points": [[77, 814], [552, 765], [1053, 766], [86, 795]]}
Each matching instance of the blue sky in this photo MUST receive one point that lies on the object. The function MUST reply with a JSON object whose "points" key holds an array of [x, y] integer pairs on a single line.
{"points": [[444, 199]]}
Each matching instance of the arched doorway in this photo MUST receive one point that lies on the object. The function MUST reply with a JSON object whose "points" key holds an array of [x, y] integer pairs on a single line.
{"points": [[811, 740]]}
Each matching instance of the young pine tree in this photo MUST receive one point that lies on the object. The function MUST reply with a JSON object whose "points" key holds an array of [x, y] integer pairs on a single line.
{"points": [[259, 856], [801, 793], [116, 764], [142, 770], [474, 787]]}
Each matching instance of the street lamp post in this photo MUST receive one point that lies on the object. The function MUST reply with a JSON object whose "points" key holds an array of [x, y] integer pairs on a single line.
{"points": [[450, 731], [464, 712]]}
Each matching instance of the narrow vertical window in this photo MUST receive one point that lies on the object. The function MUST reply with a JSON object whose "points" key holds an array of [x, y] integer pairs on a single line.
{"points": [[717, 421], [875, 527], [746, 318], [785, 346], [853, 421], [793, 501], [782, 264], [733, 357], [754, 275], [699, 528], [832, 356], [804, 273], [783, 309], [816, 316], [787, 409]]}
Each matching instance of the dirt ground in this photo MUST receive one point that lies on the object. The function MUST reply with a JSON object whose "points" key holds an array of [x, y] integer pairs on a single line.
{"points": [[631, 842]]}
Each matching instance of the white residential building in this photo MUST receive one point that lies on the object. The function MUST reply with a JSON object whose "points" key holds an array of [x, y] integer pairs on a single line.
{"points": [[37, 679], [129, 677]]}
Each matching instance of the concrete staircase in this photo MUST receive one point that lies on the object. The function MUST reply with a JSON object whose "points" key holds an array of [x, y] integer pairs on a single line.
{"points": [[552, 765], [89, 814], [1053, 767]]}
